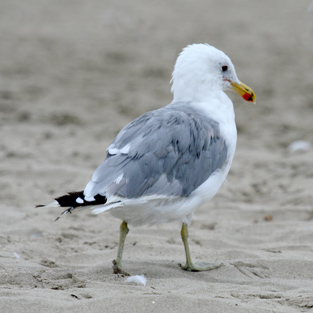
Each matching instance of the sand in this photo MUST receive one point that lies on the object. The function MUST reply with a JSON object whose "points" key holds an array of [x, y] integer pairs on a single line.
{"points": [[72, 73]]}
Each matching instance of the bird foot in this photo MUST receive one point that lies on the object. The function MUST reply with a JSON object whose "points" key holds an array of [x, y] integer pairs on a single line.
{"points": [[200, 266], [117, 269]]}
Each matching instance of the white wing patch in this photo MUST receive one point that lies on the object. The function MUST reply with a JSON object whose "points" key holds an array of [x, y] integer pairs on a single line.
{"points": [[118, 179], [90, 199], [125, 149], [112, 151], [79, 200]]}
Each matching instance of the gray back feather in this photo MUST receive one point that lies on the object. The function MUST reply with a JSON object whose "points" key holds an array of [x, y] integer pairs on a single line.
{"points": [[170, 151]]}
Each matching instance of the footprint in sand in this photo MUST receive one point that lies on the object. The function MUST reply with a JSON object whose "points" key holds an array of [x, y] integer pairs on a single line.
{"points": [[252, 270]]}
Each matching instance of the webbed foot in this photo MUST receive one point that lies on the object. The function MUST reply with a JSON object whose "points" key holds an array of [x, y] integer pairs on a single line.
{"points": [[200, 266]]}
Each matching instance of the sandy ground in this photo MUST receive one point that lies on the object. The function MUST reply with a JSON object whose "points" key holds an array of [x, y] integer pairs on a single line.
{"points": [[72, 73]]}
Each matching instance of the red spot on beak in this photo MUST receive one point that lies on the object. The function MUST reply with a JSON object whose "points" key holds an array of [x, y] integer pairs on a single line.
{"points": [[247, 97]]}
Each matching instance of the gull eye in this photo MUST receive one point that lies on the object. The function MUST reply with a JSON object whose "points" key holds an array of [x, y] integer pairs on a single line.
{"points": [[224, 68]]}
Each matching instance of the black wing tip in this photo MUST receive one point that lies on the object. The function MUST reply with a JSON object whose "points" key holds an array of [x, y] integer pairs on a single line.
{"points": [[69, 200]]}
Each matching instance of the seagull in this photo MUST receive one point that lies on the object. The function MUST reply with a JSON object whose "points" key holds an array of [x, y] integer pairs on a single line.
{"points": [[166, 163]]}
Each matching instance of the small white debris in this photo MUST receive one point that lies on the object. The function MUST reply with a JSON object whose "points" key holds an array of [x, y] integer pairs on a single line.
{"points": [[16, 255], [138, 279], [79, 200], [299, 145], [35, 235]]}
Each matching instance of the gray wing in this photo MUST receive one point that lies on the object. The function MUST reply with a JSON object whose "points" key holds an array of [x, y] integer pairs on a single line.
{"points": [[163, 152]]}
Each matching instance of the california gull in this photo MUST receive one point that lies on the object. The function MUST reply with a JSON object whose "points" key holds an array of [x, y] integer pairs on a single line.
{"points": [[166, 163]]}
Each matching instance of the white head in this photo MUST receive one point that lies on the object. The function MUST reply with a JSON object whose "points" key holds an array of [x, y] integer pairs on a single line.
{"points": [[201, 70]]}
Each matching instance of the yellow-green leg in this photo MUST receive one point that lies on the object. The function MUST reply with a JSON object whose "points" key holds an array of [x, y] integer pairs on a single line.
{"points": [[117, 264], [194, 267]]}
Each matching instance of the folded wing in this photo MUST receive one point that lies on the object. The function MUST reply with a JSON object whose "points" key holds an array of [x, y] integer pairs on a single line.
{"points": [[168, 152]]}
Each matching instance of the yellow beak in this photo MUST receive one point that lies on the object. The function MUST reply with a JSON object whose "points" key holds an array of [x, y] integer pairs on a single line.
{"points": [[244, 91]]}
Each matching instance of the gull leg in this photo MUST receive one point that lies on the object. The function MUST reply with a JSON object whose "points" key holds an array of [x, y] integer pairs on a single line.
{"points": [[194, 267], [117, 264]]}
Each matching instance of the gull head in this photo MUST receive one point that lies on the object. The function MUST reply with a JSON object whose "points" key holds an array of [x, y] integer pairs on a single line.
{"points": [[202, 70]]}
